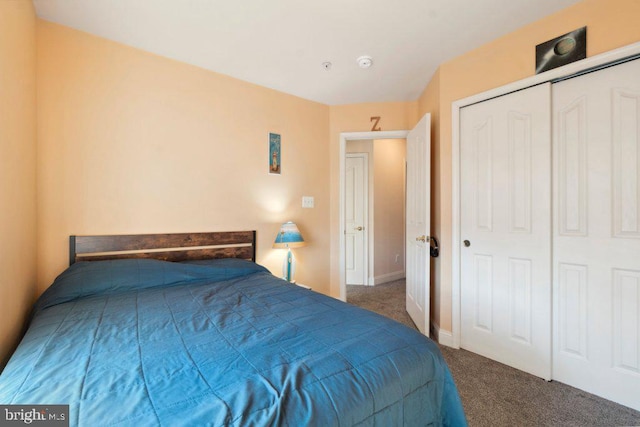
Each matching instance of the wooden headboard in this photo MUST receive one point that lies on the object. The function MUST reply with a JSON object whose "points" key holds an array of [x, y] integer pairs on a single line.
{"points": [[167, 247]]}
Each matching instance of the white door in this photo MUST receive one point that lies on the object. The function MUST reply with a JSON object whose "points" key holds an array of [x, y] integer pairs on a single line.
{"points": [[596, 243], [506, 229], [418, 223], [356, 207]]}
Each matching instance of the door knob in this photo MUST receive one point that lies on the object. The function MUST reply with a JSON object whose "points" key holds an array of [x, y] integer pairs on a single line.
{"points": [[467, 243], [359, 228], [422, 239]]}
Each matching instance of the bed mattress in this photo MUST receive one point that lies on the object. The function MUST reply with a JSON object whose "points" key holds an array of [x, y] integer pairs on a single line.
{"points": [[145, 342]]}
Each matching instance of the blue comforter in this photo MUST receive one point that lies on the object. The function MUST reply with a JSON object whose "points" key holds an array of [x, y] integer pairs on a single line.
{"points": [[143, 342]]}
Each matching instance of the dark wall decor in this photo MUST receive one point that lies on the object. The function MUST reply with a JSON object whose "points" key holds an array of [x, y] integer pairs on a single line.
{"points": [[562, 50]]}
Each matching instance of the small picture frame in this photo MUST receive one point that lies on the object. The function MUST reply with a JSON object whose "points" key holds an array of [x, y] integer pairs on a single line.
{"points": [[275, 159]]}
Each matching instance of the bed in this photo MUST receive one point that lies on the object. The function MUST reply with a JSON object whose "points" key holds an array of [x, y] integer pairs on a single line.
{"points": [[186, 329]]}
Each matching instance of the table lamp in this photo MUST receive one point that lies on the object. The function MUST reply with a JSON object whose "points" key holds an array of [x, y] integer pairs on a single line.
{"points": [[289, 237]]}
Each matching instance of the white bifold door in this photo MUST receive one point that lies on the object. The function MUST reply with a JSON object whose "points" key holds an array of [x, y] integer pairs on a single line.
{"points": [[596, 245], [506, 230], [550, 224]]}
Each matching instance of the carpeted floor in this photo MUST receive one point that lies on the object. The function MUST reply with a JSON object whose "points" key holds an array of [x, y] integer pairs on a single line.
{"points": [[494, 394]]}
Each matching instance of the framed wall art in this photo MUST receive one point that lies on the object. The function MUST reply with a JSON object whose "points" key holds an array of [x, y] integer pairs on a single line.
{"points": [[275, 159]]}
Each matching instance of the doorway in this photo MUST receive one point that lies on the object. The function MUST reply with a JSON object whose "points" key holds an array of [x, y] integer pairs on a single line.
{"points": [[374, 211], [416, 218], [344, 139]]}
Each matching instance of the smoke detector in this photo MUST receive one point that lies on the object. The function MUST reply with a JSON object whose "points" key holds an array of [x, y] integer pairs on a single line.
{"points": [[365, 61]]}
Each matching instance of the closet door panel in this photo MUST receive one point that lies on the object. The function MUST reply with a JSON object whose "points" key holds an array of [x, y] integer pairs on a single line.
{"points": [[505, 217], [596, 243]]}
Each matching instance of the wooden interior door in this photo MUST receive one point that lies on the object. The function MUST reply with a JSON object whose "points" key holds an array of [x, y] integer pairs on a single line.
{"points": [[418, 223], [356, 207]]}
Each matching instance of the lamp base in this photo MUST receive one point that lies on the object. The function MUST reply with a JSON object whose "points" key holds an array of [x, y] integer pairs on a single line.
{"points": [[289, 267]]}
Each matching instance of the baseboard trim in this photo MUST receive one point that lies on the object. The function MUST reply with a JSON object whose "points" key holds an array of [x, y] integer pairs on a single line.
{"points": [[389, 277], [441, 336]]}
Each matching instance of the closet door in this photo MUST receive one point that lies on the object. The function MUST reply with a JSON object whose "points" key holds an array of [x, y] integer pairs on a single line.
{"points": [[596, 245], [506, 229]]}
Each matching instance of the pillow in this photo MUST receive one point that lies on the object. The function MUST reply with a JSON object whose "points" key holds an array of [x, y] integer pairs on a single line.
{"points": [[88, 278]]}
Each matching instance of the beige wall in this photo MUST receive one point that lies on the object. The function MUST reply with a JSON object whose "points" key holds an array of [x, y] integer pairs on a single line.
{"points": [[388, 207], [357, 118], [130, 142], [360, 146], [610, 24], [17, 169]]}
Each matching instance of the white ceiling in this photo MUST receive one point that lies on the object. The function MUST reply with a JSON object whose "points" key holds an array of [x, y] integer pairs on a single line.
{"points": [[281, 44]]}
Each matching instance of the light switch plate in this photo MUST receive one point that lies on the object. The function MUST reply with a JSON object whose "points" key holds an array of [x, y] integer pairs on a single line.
{"points": [[307, 201]]}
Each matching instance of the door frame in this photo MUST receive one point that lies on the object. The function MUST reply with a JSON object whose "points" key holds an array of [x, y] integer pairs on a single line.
{"points": [[368, 238], [593, 63], [344, 137]]}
